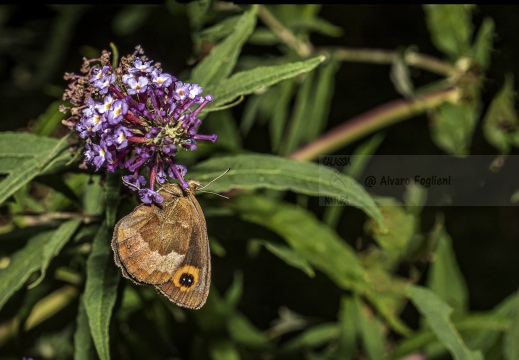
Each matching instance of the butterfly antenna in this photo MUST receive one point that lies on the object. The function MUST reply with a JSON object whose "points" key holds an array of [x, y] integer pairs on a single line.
{"points": [[130, 184], [210, 192], [216, 178]]}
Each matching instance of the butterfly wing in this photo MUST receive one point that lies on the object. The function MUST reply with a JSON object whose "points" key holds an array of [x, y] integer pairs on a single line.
{"points": [[190, 282], [152, 241]]}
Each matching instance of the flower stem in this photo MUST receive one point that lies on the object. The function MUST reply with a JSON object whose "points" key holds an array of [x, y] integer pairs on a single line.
{"points": [[137, 139], [377, 56], [285, 35], [371, 121]]}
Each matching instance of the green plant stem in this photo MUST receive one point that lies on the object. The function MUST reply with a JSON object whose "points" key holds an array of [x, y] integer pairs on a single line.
{"points": [[46, 218], [411, 58], [372, 121], [284, 34]]}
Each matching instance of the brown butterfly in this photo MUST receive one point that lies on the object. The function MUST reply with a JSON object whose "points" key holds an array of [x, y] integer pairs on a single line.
{"points": [[167, 246]]}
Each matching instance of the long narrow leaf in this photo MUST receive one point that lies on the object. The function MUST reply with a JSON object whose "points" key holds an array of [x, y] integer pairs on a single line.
{"points": [[82, 338], [370, 330], [101, 291], [222, 59], [501, 116], [36, 255], [24, 156], [23, 263], [438, 314], [348, 328], [311, 239], [60, 237], [246, 82], [299, 121], [445, 277], [273, 172]]}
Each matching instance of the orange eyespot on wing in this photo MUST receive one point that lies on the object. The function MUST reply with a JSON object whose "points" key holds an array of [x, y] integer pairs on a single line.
{"points": [[186, 277]]}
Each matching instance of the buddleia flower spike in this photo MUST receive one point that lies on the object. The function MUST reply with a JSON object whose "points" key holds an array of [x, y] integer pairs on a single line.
{"points": [[134, 117]]}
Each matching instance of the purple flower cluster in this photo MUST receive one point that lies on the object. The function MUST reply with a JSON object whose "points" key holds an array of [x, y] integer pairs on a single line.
{"points": [[135, 117]]}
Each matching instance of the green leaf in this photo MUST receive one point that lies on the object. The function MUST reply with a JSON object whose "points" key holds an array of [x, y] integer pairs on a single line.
{"points": [[388, 289], [234, 292], [502, 319], [445, 277], [52, 248], [273, 172], [263, 37], [437, 313], [270, 101], [73, 185], [56, 343], [65, 195], [18, 147], [22, 201], [485, 331], [223, 349], [299, 120], [371, 331], [501, 117], [112, 187], [313, 337], [481, 332], [278, 109], [130, 18], [318, 244], [94, 197], [450, 27], [290, 257], [54, 49], [197, 12], [453, 125], [318, 25], [415, 197], [250, 114], [101, 291], [314, 241], [24, 156], [332, 214], [22, 264], [34, 256], [221, 29], [401, 226], [243, 332], [221, 60], [223, 124], [246, 82], [348, 328], [401, 76], [482, 47], [82, 338], [293, 14], [323, 95], [510, 343], [49, 120], [287, 322], [216, 247]]}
